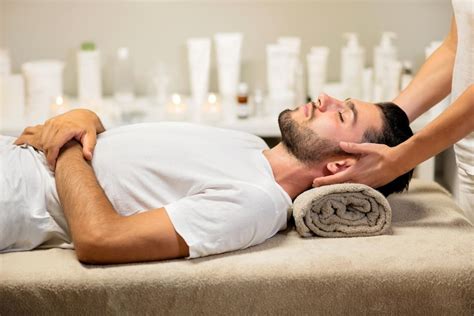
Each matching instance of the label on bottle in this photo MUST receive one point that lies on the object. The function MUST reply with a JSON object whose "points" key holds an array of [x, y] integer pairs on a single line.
{"points": [[242, 110]]}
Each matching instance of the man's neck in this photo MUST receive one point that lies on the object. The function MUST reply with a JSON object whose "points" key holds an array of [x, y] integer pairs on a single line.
{"points": [[291, 174]]}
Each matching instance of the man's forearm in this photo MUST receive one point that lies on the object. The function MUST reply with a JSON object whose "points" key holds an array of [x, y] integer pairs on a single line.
{"points": [[86, 207], [99, 233]]}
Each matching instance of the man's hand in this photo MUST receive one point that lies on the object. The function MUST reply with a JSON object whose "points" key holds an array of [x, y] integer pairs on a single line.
{"points": [[81, 125], [376, 166]]}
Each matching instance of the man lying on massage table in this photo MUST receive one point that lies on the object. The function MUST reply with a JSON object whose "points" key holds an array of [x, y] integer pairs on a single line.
{"points": [[168, 190]]}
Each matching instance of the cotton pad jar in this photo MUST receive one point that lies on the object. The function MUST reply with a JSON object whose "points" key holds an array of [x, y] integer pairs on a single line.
{"points": [[44, 82]]}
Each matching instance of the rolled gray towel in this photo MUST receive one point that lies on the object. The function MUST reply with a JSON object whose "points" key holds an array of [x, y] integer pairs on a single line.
{"points": [[342, 210]]}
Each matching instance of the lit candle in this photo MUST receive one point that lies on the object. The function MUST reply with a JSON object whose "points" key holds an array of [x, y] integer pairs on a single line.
{"points": [[212, 109], [176, 110], [59, 106]]}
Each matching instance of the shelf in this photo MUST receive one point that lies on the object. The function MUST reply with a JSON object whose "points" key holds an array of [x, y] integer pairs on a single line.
{"points": [[140, 110]]}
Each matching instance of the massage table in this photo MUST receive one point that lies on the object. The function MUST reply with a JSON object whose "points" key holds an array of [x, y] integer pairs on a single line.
{"points": [[423, 266]]}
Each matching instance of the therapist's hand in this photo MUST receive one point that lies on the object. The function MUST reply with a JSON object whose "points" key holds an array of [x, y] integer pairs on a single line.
{"points": [[81, 125], [378, 165]]}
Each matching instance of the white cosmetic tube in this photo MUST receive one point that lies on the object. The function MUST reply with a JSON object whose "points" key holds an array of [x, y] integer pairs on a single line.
{"points": [[199, 57], [278, 69], [293, 45], [317, 70], [279, 66], [293, 42], [228, 54]]}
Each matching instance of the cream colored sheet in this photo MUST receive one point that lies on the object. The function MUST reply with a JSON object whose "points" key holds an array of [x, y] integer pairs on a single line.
{"points": [[424, 266]]}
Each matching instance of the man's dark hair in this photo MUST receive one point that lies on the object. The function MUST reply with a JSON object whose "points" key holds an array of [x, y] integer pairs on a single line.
{"points": [[395, 130]]}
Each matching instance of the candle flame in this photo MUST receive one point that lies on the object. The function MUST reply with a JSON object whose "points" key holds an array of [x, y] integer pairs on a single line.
{"points": [[59, 100], [176, 98], [212, 98]]}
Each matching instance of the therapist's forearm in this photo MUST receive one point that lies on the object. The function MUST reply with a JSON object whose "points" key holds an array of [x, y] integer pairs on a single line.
{"points": [[449, 127], [88, 211], [433, 81]]}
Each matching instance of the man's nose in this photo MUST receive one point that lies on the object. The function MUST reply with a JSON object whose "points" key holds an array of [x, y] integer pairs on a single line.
{"points": [[328, 103]]}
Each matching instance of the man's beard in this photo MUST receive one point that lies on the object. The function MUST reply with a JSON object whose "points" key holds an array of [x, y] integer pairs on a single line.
{"points": [[303, 143]]}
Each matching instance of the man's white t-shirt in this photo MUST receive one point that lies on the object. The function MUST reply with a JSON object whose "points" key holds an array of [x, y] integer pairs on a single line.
{"points": [[215, 184]]}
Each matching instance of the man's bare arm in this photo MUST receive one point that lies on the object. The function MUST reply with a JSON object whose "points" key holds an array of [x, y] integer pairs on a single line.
{"points": [[99, 233], [79, 124]]}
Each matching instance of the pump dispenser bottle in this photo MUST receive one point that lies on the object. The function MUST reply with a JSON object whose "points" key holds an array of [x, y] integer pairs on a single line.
{"points": [[123, 79], [385, 54], [407, 74], [352, 66], [89, 74]]}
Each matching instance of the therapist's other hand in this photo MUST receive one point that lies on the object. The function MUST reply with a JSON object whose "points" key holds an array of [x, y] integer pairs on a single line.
{"points": [[81, 125], [377, 165]]}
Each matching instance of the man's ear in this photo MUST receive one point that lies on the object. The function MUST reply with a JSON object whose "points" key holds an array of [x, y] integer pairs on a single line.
{"points": [[339, 165]]}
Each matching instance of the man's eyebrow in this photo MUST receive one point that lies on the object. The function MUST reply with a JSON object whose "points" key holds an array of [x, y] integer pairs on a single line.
{"points": [[353, 108]]}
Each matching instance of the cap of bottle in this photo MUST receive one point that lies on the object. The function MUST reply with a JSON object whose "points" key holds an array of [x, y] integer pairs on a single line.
{"points": [[122, 53], [386, 42], [352, 41], [88, 46], [242, 89]]}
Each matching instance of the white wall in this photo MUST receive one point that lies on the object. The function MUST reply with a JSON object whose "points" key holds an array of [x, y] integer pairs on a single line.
{"points": [[2, 22], [157, 30]]}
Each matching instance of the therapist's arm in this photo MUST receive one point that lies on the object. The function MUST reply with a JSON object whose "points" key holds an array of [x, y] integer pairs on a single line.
{"points": [[449, 127], [380, 164], [99, 233], [433, 81]]}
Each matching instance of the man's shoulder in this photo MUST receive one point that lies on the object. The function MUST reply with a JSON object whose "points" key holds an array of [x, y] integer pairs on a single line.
{"points": [[247, 194]]}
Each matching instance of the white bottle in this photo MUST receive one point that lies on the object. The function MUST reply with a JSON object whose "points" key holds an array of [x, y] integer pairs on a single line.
{"points": [[123, 79], [300, 91], [384, 55], [5, 65], [368, 85], [293, 45], [199, 57], [258, 103], [394, 73], [228, 58], [352, 66], [407, 74], [89, 74], [317, 70], [160, 82], [43, 83], [243, 109], [280, 91]]}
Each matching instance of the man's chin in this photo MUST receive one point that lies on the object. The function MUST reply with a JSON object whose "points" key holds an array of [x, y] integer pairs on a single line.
{"points": [[283, 118]]}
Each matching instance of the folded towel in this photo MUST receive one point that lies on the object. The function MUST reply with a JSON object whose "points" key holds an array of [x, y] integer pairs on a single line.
{"points": [[342, 210]]}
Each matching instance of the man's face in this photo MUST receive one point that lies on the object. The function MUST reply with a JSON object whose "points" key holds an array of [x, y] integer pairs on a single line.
{"points": [[312, 132]]}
